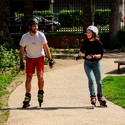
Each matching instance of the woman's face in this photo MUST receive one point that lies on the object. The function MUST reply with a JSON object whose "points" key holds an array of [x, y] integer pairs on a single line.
{"points": [[89, 34]]}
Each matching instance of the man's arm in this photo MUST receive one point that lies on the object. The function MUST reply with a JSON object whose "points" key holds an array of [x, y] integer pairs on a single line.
{"points": [[21, 58], [47, 50], [21, 53]]}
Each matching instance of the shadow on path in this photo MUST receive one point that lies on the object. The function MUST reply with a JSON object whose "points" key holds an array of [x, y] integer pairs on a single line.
{"points": [[122, 71], [48, 108]]}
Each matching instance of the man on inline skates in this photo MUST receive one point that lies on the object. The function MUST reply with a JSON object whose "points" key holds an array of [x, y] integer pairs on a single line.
{"points": [[34, 43]]}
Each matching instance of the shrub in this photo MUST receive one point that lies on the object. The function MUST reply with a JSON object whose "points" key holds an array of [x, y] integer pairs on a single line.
{"points": [[9, 55], [71, 18], [102, 17]]}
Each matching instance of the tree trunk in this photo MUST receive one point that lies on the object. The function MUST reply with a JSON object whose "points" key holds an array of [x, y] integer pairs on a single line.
{"points": [[114, 25], [4, 18], [28, 12]]}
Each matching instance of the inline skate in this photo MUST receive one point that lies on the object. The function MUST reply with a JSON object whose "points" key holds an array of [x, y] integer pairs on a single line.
{"points": [[40, 97], [93, 100], [26, 100], [101, 100]]}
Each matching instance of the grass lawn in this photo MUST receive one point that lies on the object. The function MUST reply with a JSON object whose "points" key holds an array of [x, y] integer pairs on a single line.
{"points": [[114, 89], [8, 83]]}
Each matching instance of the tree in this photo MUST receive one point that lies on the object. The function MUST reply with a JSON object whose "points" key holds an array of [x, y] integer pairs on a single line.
{"points": [[114, 25], [4, 18], [28, 11]]}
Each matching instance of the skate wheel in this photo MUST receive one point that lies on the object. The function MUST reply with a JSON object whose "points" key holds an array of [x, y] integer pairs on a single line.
{"points": [[106, 106], [39, 104], [93, 106], [26, 106], [103, 105]]}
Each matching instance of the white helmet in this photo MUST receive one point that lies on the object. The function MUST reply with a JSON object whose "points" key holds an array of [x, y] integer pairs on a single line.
{"points": [[94, 29]]}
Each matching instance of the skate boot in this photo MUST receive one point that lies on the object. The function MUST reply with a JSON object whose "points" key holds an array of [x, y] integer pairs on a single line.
{"points": [[26, 100], [40, 97], [93, 100], [101, 100]]}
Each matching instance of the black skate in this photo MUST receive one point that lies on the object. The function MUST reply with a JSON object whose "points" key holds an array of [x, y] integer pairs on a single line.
{"points": [[93, 100], [40, 97], [26, 100], [101, 100]]}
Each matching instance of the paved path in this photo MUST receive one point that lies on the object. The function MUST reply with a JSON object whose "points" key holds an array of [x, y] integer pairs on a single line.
{"points": [[66, 100]]}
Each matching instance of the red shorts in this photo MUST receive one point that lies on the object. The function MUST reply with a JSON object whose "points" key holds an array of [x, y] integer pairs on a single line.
{"points": [[32, 63]]}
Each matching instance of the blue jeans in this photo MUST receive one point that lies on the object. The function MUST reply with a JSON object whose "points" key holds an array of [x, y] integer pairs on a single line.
{"points": [[93, 69]]}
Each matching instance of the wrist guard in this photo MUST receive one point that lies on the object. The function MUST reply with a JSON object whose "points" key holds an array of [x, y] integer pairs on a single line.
{"points": [[78, 57], [94, 56], [51, 62], [22, 66]]}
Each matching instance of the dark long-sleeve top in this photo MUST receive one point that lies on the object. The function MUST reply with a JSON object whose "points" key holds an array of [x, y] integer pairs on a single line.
{"points": [[92, 48]]}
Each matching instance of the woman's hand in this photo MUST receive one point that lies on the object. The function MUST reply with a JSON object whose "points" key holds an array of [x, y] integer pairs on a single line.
{"points": [[89, 57]]}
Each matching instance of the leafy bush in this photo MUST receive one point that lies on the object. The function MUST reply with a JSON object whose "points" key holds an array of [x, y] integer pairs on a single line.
{"points": [[121, 36], [8, 59], [102, 17], [71, 18], [9, 55], [36, 12], [43, 13], [8, 43]]}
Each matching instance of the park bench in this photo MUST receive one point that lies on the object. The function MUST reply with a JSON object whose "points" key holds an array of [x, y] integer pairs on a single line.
{"points": [[120, 62]]}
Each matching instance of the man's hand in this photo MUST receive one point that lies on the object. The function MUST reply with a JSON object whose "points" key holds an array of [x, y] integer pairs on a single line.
{"points": [[51, 63], [22, 67]]}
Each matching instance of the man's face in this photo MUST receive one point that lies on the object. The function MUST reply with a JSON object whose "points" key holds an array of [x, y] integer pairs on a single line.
{"points": [[34, 28]]}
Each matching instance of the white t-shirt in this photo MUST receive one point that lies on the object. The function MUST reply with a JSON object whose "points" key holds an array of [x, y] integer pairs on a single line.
{"points": [[34, 44]]}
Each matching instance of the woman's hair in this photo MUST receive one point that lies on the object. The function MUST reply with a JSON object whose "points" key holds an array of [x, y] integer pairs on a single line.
{"points": [[96, 37]]}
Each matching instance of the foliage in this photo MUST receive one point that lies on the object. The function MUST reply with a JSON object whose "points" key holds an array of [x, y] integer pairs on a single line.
{"points": [[118, 41], [19, 14], [52, 50], [36, 12], [9, 62], [74, 18], [65, 45], [102, 17], [43, 13], [8, 59], [71, 18], [114, 89], [9, 55], [6, 42], [5, 79], [121, 37]]}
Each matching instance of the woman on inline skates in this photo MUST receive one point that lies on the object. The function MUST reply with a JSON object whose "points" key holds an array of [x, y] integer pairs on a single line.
{"points": [[93, 49]]}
